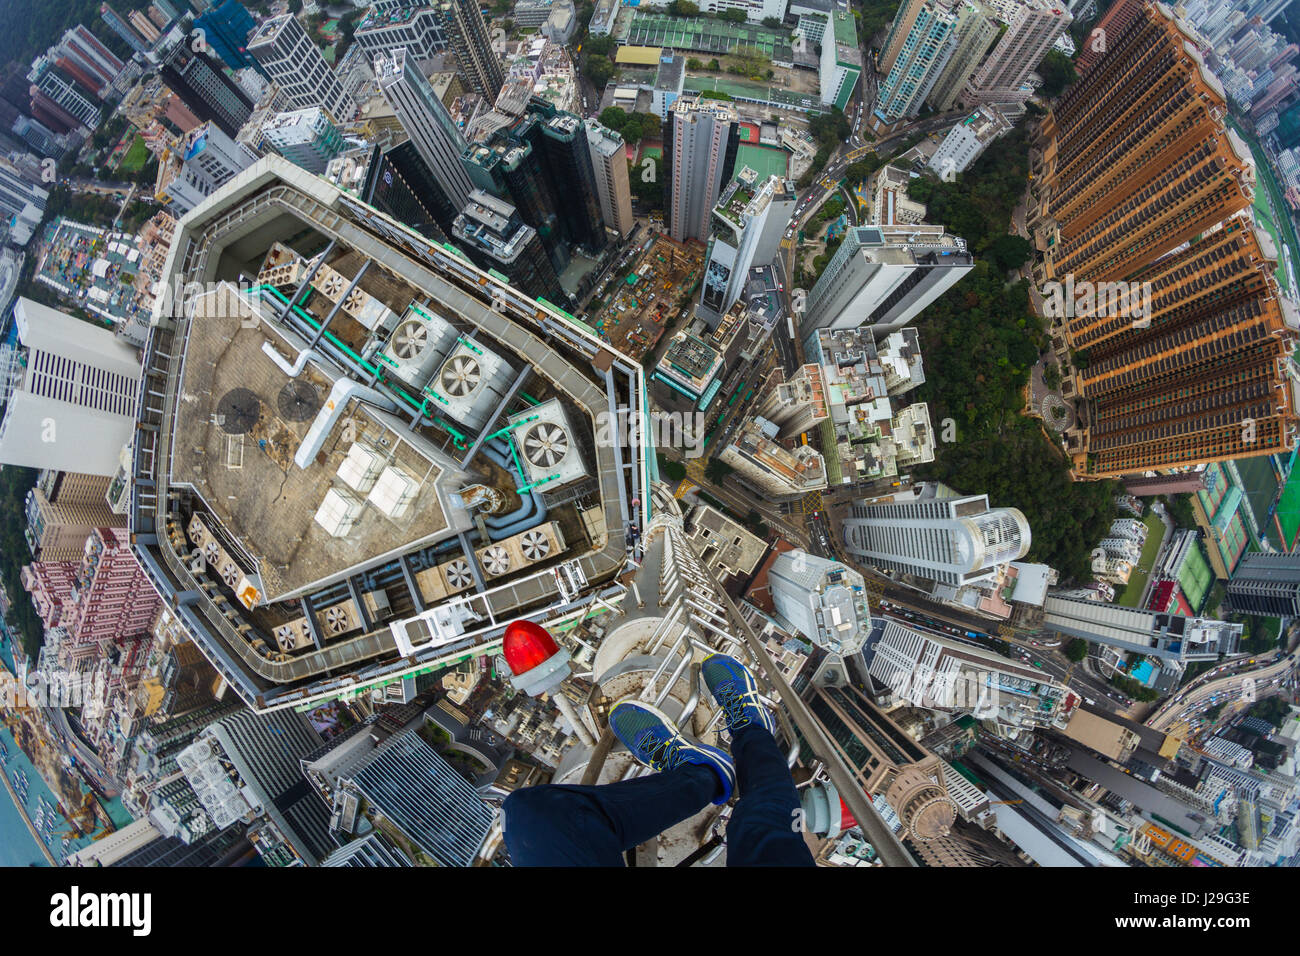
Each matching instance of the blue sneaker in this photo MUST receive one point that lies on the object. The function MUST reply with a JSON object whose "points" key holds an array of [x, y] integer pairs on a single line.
{"points": [[736, 691], [654, 740]]}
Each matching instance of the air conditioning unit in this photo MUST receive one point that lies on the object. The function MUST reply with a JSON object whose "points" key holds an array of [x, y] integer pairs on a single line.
{"points": [[417, 347]]}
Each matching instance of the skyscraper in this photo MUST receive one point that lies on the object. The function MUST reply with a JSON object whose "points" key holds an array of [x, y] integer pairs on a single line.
{"points": [[954, 540], [433, 805], [492, 233], [123, 29], [1138, 165], [467, 36], [205, 89], [71, 394], [821, 599], [918, 47], [700, 141], [748, 221], [1035, 26], [436, 137], [974, 33], [306, 138], [609, 160], [226, 28], [1266, 583], [1118, 18], [260, 755], [883, 276], [289, 58], [208, 159]]}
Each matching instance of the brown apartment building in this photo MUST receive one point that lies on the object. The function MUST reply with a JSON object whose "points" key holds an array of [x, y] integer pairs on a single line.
{"points": [[1138, 185]]}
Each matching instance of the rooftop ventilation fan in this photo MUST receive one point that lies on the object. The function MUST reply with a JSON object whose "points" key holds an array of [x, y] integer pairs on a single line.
{"points": [[230, 573], [211, 551], [545, 445], [355, 301], [461, 375], [332, 285], [496, 559], [286, 637], [238, 411], [297, 401], [337, 619], [458, 573], [410, 339], [534, 545]]}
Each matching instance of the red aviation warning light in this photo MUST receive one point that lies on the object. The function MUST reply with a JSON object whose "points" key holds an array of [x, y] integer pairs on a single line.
{"points": [[536, 661]]}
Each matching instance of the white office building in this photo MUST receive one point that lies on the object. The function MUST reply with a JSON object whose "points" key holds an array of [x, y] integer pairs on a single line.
{"points": [[748, 222], [822, 599], [292, 61], [965, 141], [950, 540], [431, 128], [306, 138], [1034, 26], [883, 276], [70, 391]]}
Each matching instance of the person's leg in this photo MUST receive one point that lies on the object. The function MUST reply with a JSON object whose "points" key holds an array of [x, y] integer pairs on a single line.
{"points": [[564, 825], [764, 828], [557, 825]]}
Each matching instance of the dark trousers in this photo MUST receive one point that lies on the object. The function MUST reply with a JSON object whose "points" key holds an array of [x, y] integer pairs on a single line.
{"points": [[557, 825]]}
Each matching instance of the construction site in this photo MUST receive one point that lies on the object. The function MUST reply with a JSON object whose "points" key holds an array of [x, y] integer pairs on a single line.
{"points": [[646, 299]]}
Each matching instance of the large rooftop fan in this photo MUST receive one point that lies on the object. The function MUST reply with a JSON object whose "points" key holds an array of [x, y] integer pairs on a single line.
{"points": [[410, 339], [461, 375], [545, 444], [496, 559], [458, 573], [535, 545]]}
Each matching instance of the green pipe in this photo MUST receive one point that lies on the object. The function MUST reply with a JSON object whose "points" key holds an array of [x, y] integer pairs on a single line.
{"points": [[528, 398]]}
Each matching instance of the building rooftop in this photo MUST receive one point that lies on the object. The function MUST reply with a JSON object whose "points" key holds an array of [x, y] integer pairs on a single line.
{"points": [[236, 437]]}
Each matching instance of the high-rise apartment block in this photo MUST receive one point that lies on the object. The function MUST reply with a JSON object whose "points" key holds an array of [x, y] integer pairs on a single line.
{"points": [[768, 467], [102, 596], [700, 141], [975, 30], [71, 393], [62, 510], [1168, 295], [290, 59], [467, 36], [609, 160], [1035, 25], [917, 49], [950, 540], [1266, 583]]}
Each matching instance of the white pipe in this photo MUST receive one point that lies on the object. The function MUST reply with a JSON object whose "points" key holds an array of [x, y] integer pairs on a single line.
{"points": [[294, 370], [344, 390]]}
